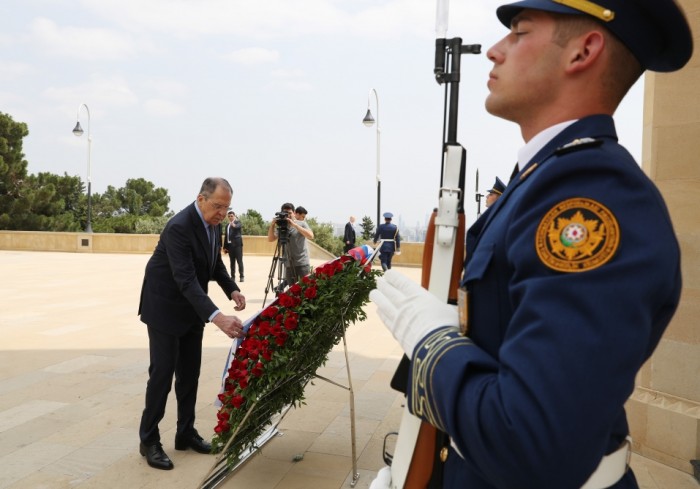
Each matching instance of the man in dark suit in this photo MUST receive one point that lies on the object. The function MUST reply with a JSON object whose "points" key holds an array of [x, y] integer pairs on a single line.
{"points": [[175, 306], [233, 244], [349, 235]]}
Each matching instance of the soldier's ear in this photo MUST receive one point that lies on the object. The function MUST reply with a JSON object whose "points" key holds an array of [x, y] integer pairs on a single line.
{"points": [[584, 51]]}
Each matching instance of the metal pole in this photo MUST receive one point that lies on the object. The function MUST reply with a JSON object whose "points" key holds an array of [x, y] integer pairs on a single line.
{"points": [[379, 178], [368, 121], [78, 132]]}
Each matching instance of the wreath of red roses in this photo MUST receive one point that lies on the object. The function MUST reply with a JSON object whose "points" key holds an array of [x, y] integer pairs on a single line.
{"points": [[285, 345]]}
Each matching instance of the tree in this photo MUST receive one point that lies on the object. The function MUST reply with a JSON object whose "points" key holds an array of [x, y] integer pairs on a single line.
{"points": [[48, 202], [51, 203], [140, 197], [367, 228], [252, 223], [323, 236], [138, 207], [13, 170]]}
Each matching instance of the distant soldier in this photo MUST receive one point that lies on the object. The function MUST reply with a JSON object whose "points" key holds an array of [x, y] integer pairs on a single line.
{"points": [[388, 232]]}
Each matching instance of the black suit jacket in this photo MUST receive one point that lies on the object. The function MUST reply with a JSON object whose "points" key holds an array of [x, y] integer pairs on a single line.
{"points": [[236, 236], [174, 292], [349, 234]]}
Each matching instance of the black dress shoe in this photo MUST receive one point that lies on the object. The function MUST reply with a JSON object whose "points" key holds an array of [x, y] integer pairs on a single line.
{"points": [[241, 280], [155, 456], [193, 441]]}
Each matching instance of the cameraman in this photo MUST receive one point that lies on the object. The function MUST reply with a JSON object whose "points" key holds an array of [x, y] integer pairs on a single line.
{"points": [[297, 231]]}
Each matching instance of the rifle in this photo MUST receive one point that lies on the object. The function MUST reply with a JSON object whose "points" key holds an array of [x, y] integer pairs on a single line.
{"points": [[443, 254], [477, 195]]}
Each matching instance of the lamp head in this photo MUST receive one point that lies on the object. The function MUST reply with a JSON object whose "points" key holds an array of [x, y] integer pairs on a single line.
{"points": [[77, 130], [368, 120]]}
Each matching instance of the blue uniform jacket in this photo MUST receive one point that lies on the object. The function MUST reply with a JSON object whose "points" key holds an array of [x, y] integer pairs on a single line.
{"points": [[535, 396], [388, 231]]}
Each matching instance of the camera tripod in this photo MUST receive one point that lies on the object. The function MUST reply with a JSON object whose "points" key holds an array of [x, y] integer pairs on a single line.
{"points": [[280, 264]]}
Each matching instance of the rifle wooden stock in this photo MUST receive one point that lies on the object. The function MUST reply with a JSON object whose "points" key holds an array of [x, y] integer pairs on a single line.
{"points": [[457, 262], [422, 462], [421, 469]]}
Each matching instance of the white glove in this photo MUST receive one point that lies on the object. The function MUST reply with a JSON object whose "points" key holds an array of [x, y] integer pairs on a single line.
{"points": [[383, 479], [409, 311]]}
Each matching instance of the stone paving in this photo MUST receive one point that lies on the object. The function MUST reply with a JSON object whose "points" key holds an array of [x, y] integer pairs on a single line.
{"points": [[73, 369]]}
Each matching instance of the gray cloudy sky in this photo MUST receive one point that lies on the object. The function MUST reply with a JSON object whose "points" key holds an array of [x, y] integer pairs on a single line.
{"points": [[267, 93]]}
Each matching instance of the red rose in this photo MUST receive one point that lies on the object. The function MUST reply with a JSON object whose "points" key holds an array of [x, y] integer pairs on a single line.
{"points": [[264, 328], [308, 280], [286, 300], [290, 324], [295, 289], [257, 370], [281, 338], [269, 312], [222, 428], [310, 293], [237, 401]]}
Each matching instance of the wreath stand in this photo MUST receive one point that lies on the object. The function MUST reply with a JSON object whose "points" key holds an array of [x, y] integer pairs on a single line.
{"points": [[221, 469]]}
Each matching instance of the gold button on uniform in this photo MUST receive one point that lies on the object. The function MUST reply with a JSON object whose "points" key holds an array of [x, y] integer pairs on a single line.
{"points": [[443, 454]]}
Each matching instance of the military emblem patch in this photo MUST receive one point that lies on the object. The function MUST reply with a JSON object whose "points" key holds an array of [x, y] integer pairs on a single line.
{"points": [[577, 235]]}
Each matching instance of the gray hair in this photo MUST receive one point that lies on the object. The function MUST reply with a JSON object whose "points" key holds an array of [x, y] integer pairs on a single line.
{"points": [[210, 185]]}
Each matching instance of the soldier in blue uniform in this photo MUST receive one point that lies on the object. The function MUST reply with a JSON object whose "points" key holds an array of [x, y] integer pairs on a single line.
{"points": [[575, 273], [495, 192], [389, 232]]}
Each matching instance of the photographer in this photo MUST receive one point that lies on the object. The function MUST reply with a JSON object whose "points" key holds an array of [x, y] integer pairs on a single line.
{"points": [[289, 227]]}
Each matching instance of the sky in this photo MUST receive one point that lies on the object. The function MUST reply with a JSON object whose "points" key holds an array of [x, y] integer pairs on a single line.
{"points": [[269, 94]]}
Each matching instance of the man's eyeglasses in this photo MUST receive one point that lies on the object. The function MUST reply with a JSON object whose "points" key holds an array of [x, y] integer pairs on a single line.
{"points": [[218, 207]]}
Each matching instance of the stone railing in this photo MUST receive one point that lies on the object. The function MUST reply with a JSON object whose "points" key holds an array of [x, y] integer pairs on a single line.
{"points": [[411, 253]]}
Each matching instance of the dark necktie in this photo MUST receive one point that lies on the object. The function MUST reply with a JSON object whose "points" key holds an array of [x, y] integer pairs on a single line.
{"points": [[212, 238]]}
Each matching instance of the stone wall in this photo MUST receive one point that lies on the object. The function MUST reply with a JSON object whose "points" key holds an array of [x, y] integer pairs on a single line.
{"points": [[411, 253], [664, 409]]}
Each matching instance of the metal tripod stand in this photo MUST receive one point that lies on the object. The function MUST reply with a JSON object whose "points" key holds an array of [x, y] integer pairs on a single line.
{"points": [[280, 264]]}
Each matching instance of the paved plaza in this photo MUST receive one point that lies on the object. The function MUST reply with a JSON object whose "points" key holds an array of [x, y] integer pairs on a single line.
{"points": [[73, 371]]}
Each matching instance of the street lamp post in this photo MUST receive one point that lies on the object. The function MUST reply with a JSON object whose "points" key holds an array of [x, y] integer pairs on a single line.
{"points": [[369, 122], [78, 131]]}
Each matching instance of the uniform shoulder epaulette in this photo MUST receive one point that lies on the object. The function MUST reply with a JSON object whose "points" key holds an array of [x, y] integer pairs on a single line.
{"points": [[578, 144]]}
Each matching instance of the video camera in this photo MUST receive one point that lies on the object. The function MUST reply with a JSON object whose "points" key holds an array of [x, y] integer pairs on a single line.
{"points": [[282, 226]]}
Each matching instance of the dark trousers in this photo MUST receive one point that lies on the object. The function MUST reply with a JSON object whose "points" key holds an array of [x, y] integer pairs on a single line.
{"points": [[294, 273], [348, 247], [235, 254], [385, 259], [180, 356]]}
